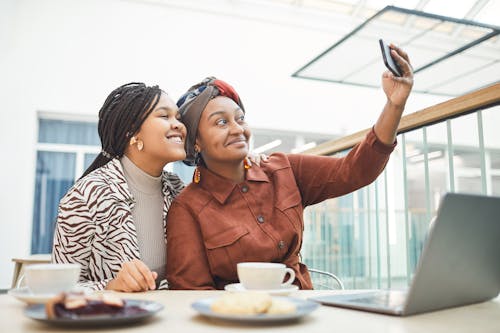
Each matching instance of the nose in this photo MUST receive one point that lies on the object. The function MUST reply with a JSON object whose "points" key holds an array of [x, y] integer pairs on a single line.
{"points": [[176, 124], [236, 128]]}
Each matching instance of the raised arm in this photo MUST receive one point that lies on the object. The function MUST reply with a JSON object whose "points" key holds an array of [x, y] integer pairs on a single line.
{"points": [[323, 177], [397, 90]]}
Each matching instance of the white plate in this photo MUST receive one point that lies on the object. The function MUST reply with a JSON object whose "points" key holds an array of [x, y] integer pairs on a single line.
{"points": [[135, 310], [283, 291], [304, 307], [25, 295]]}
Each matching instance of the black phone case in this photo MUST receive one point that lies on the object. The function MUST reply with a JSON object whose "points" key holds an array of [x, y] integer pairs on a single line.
{"points": [[389, 62]]}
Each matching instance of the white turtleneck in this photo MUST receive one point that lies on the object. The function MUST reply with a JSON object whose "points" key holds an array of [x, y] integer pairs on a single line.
{"points": [[147, 215]]}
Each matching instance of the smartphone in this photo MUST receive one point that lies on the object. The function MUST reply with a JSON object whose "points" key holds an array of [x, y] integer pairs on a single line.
{"points": [[389, 61]]}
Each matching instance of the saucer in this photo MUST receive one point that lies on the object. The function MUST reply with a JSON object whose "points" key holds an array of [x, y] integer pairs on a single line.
{"points": [[283, 291], [26, 295]]}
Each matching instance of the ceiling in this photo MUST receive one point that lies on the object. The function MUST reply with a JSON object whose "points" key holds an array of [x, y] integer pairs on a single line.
{"points": [[450, 55], [484, 11]]}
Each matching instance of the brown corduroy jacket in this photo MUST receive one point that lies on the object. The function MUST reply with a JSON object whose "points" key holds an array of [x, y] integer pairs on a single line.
{"points": [[215, 224]]}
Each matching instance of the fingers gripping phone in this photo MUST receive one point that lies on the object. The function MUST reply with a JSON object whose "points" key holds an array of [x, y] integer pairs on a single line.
{"points": [[389, 61]]}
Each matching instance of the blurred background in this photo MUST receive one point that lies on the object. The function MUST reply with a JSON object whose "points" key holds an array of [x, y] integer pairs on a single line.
{"points": [[59, 59]]}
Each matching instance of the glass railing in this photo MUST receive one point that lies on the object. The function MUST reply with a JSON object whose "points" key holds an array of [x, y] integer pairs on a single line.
{"points": [[373, 238]]}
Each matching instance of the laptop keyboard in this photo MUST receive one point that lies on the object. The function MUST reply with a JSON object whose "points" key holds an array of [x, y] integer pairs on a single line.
{"points": [[388, 300]]}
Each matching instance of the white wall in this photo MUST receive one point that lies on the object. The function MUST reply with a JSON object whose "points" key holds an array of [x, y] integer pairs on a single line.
{"points": [[67, 55]]}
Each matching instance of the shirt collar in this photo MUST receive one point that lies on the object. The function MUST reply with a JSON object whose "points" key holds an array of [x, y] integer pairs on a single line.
{"points": [[221, 188], [256, 173]]}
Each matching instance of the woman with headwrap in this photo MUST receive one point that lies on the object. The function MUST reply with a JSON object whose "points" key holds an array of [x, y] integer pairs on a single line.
{"points": [[233, 212], [112, 221]]}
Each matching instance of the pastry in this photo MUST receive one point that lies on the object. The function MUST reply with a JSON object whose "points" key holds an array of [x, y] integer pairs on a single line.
{"points": [[74, 305], [242, 303], [281, 307], [251, 303]]}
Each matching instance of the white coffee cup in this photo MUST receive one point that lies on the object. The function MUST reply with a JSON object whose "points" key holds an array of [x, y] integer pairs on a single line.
{"points": [[51, 278], [264, 275]]}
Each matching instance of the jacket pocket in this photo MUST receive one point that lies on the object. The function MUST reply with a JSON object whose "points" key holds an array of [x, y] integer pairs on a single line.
{"points": [[226, 237], [291, 199], [291, 206], [224, 251]]}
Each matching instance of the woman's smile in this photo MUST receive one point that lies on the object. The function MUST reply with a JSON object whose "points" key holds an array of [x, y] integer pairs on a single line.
{"points": [[240, 141], [176, 138]]}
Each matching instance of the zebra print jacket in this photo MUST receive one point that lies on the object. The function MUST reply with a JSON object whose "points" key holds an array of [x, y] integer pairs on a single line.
{"points": [[94, 224]]}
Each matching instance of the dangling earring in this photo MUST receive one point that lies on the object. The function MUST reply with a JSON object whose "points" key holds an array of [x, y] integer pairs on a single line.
{"points": [[196, 175], [246, 163]]}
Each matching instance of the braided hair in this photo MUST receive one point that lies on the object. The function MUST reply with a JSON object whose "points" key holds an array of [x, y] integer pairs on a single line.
{"points": [[121, 116]]}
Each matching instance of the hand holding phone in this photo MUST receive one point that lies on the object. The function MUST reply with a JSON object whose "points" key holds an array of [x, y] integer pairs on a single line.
{"points": [[389, 61]]}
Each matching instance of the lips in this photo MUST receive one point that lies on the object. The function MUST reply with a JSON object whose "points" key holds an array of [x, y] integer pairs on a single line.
{"points": [[236, 140], [175, 138]]}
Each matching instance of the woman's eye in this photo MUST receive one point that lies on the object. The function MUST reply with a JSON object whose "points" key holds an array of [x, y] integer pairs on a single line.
{"points": [[221, 122], [170, 117], [240, 120]]}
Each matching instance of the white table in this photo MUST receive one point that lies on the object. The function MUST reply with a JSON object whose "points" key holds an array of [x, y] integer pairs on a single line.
{"points": [[178, 316]]}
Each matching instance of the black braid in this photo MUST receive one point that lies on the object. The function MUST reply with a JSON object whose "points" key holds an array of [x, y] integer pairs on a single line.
{"points": [[121, 116]]}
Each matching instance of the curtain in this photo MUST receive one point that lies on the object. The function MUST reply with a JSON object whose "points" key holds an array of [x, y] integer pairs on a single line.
{"points": [[55, 174], [68, 132]]}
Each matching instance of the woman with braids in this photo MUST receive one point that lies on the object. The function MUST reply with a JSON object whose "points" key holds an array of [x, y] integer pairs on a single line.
{"points": [[112, 221], [234, 213]]}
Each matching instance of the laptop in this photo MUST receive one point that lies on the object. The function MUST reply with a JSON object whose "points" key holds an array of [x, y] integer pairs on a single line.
{"points": [[459, 265]]}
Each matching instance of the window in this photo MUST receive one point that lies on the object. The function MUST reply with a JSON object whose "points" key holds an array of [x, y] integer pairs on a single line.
{"points": [[373, 238], [64, 150]]}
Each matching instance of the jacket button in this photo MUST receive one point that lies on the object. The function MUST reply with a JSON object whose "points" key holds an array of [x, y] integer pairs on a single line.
{"points": [[244, 189], [281, 244], [260, 218]]}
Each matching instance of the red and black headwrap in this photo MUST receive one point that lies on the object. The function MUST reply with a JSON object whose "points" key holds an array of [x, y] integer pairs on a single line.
{"points": [[192, 104]]}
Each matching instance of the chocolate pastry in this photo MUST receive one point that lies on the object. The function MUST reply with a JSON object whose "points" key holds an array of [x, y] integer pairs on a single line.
{"points": [[76, 305]]}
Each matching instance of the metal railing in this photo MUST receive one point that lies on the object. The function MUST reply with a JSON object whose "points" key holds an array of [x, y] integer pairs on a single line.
{"points": [[372, 238]]}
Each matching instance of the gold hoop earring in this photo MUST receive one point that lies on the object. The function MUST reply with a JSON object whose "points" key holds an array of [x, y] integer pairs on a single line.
{"points": [[140, 143]]}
